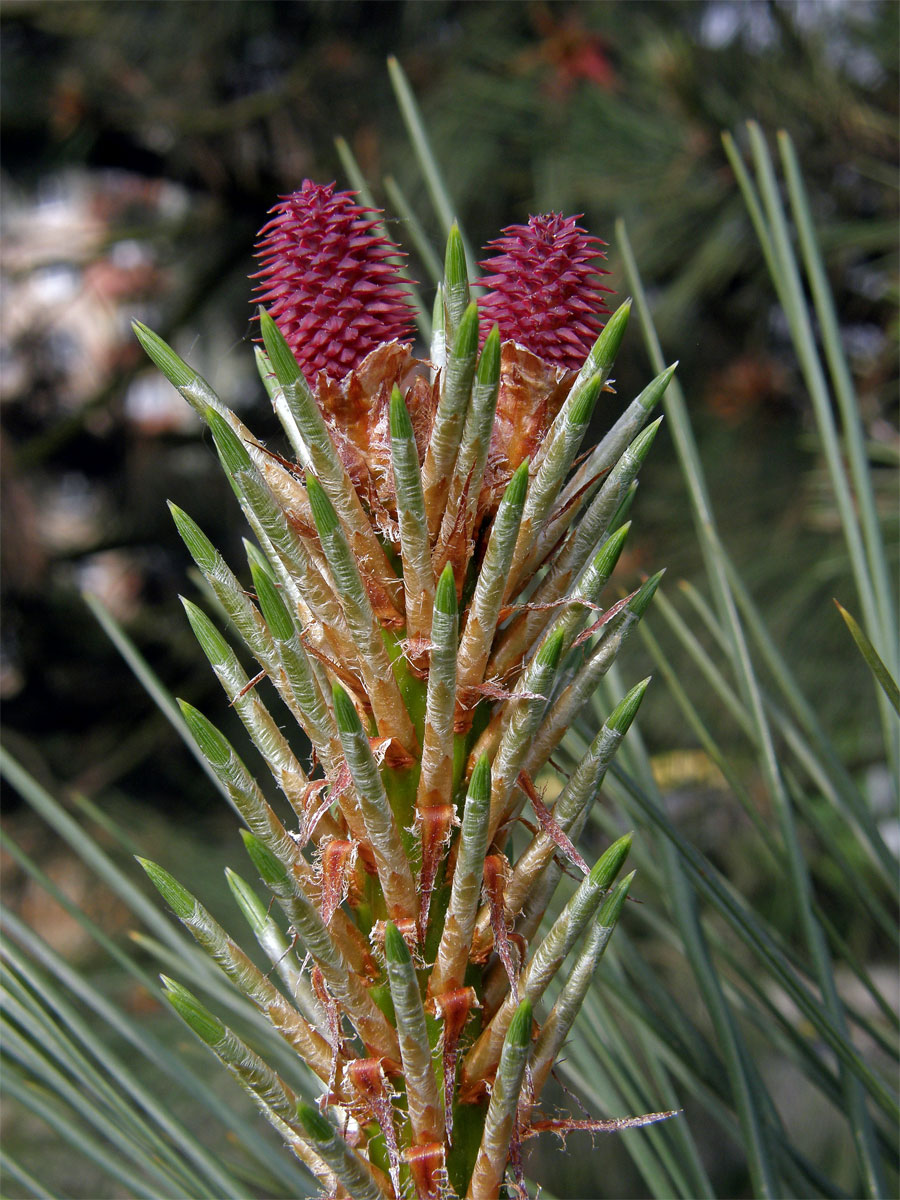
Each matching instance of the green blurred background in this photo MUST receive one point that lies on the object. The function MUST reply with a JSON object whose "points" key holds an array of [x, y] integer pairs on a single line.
{"points": [[142, 146]]}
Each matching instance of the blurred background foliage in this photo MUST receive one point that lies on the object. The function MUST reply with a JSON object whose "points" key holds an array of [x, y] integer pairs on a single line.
{"points": [[142, 146]]}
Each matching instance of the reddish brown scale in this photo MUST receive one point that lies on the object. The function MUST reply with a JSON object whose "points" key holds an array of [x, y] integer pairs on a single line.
{"points": [[338, 860], [604, 619], [563, 1126], [250, 685], [388, 751], [496, 868], [544, 290], [341, 673], [452, 1008], [313, 815], [435, 826], [426, 1167], [371, 1085], [333, 1033], [415, 651], [355, 409], [340, 789], [328, 281], [515, 1160], [565, 602], [548, 823], [408, 930]]}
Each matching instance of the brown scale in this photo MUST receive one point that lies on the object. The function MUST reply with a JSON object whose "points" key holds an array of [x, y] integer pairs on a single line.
{"points": [[426, 1166], [356, 412], [337, 863], [435, 826], [371, 1086], [531, 394], [452, 1009]]}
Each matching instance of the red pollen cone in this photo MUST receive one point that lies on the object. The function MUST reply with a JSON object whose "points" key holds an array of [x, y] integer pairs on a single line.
{"points": [[327, 281], [544, 288]]}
